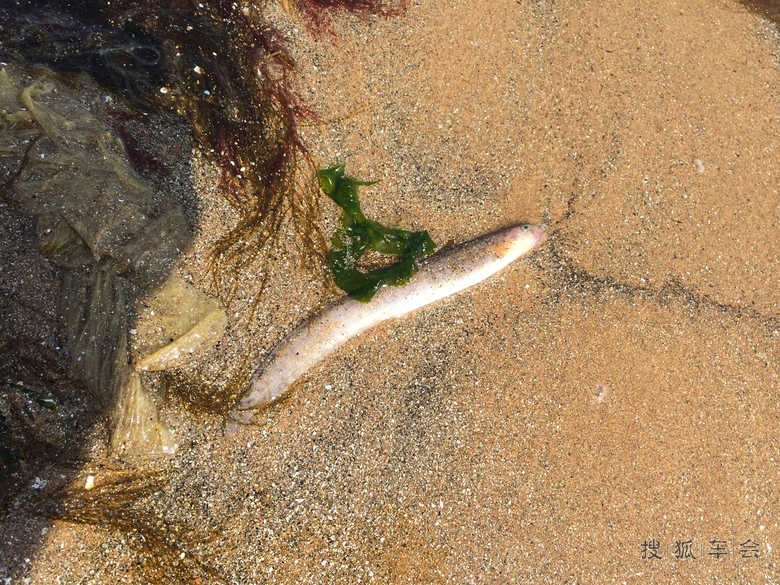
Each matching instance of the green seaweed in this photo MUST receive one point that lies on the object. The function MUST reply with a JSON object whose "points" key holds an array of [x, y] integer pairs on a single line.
{"points": [[357, 234]]}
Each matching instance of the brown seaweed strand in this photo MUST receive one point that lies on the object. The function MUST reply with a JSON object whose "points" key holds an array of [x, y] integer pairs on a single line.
{"points": [[279, 182]]}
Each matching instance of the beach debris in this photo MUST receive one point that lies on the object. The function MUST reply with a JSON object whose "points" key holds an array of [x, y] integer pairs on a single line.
{"points": [[112, 236]]}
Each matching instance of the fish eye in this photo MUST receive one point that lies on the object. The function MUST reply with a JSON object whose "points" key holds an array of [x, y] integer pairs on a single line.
{"points": [[526, 227]]}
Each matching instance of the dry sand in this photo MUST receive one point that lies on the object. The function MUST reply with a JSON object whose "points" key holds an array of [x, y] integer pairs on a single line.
{"points": [[618, 388]]}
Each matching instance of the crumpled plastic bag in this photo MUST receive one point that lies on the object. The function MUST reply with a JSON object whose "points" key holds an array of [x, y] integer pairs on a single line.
{"points": [[103, 224]]}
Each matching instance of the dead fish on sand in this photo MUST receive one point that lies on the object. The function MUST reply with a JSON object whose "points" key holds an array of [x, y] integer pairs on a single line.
{"points": [[440, 275]]}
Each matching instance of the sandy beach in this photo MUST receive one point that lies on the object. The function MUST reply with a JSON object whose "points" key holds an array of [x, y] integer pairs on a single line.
{"points": [[604, 411]]}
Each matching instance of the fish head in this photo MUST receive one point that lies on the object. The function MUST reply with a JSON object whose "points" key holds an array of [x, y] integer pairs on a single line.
{"points": [[515, 241]]}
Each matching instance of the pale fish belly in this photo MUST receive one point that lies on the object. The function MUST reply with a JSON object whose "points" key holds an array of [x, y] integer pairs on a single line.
{"points": [[440, 276]]}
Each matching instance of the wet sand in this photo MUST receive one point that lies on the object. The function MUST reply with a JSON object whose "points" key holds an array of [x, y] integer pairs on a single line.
{"points": [[610, 399]]}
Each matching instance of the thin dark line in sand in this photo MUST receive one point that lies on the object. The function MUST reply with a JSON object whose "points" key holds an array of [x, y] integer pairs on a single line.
{"points": [[571, 280]]}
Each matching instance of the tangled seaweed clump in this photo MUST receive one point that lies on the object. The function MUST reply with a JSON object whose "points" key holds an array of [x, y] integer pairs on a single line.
{"points": [[218, 65]]}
